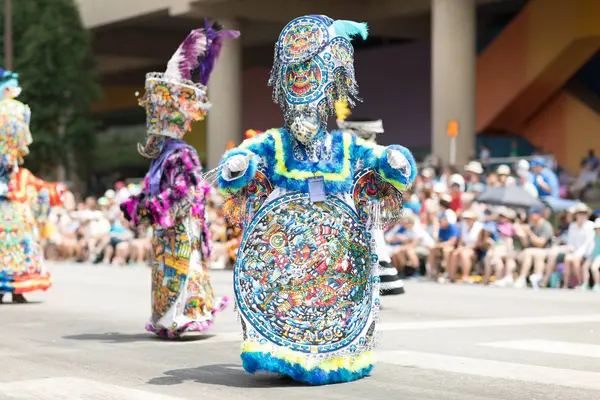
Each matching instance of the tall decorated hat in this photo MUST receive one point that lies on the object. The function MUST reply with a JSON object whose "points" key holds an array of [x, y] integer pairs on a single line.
{"points": [[177, 97], [15, 136], [314, 66]]}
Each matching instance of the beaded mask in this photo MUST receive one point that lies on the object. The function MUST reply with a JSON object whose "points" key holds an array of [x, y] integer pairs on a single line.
{"points": [[314, 68]]}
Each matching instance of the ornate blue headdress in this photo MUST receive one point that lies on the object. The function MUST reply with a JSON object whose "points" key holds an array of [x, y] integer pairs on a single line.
{"points": [[314, 65], [8, 79]]}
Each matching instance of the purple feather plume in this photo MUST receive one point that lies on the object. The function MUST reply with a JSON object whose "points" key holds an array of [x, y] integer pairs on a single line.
{"points": [[196, 56], [214, 35], [185, 58]]}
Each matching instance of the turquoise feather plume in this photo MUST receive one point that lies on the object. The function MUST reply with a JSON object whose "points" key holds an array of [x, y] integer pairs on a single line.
{"points": [[350, 29]]}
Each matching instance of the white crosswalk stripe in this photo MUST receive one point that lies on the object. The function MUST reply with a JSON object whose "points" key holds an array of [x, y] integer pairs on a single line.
{"points": [[491, 322], [74, 388], [549, 346], [494, 369]]}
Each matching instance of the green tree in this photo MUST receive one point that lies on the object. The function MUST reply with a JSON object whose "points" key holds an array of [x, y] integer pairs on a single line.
{"points": [[53, 57]]}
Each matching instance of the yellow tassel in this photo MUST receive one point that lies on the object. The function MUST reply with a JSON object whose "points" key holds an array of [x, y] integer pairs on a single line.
{"points": [[342, 111]]}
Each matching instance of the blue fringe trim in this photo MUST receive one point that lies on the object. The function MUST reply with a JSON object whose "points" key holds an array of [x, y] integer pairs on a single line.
{"points": [[258, 361]]}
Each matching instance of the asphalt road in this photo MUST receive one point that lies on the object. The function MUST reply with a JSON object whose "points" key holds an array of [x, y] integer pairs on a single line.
{"points": [[85, 339]]}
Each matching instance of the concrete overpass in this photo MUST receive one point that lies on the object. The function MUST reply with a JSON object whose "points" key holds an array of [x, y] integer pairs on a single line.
{"points": [[132, 37]]}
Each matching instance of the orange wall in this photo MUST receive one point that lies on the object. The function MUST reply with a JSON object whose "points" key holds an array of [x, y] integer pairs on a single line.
{"points": [[567, 128], [532, 59]]}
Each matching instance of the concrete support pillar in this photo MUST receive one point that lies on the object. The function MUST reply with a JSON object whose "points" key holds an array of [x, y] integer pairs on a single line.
{"points": [[453, 78], [224, 120]]}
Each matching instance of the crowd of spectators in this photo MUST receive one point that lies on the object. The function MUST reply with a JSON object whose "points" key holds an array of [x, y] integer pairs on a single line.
{"points": [[95, 231], [447, 236]]}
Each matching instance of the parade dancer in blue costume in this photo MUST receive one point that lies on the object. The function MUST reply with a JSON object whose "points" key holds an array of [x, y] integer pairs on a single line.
{"points": [[305, 278]]}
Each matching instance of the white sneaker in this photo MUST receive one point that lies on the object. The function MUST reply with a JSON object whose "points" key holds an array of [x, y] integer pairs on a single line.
{"points": [[521, 283], [504, 282], [535, 280]]}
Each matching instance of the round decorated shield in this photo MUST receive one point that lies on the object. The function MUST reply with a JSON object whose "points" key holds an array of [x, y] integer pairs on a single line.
{"points": [[303, 276]]}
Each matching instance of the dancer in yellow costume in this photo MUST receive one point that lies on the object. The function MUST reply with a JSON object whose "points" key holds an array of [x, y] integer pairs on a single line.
{"points": [[24, 200]]}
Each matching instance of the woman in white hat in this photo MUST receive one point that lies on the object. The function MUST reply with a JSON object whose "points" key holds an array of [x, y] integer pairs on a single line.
{"points": [[579, 235]]}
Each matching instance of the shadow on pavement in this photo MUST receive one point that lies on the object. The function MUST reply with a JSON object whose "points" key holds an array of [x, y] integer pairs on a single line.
{"points": [[231, 375], [29, 303], [116, 337]]}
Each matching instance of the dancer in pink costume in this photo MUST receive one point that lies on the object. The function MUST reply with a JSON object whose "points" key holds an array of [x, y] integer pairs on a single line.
{"points": [[174, 196]]}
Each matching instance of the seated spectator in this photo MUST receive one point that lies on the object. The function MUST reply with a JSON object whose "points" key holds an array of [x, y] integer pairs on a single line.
{"points": [[544, 179], [456, 198], [141, 246], [411, 202], [96, 234], [466, 252], [445, 178], [429, 205], [502, 258], [504, 177], [68, 236], [446, 241], [538, 239], [445, 202], [459, 180], [410, 242], [488, 237], [474, 171], [116, 249], [492, 180], [580, 233], [428, 175], [431, 223], [587, 176], [592, 264]]}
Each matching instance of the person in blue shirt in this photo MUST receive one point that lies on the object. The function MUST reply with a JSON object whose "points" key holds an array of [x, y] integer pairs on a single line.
{"points": [[545, 180], [447, 237], [117, 248]]}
